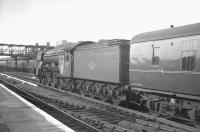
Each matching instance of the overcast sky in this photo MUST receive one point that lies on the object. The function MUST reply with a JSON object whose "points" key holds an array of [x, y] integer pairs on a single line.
{"points": [[31, 21]]}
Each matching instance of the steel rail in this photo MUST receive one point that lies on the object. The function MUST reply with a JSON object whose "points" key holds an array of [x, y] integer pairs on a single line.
{"points": [[144, 115], [84, 126]]}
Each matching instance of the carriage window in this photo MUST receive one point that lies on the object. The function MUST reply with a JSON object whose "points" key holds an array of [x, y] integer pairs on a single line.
{"points": [[155, 57], [188, 60]]}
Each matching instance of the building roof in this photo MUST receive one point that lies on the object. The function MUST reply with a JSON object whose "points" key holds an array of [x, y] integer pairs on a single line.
{"points": [[174, 32]]}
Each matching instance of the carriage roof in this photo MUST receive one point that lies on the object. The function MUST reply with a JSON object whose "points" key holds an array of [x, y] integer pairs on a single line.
{"points": [[174, 32]]}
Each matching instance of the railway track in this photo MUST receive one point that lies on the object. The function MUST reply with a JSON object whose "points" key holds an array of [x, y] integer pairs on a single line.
{"points": [[102, 115], [71, 121]]}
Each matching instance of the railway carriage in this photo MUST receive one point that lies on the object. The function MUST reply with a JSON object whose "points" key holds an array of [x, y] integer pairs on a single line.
{"points": [[22, 64], [10, 64], [3, 65], [164, 70]]}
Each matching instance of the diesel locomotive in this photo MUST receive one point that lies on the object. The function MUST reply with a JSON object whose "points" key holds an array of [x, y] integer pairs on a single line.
{"points": [[157, 71]]}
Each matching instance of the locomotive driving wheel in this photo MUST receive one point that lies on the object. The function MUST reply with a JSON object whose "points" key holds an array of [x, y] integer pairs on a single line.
{"points": [[40, 79], [48, 81], [61, 83], [54, 82], [43, 81]]}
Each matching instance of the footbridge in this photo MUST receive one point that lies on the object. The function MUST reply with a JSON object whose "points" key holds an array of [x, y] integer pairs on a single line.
{"points": [[15, 50]]}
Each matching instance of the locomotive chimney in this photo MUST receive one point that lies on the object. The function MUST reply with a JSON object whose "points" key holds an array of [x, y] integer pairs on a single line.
{"points": [[171, 26]]}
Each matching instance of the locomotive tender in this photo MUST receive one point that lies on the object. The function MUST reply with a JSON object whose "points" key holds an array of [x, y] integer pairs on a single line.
{"points": [[158, 70]]}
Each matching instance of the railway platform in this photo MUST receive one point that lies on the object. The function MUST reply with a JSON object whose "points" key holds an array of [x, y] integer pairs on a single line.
{"points": [[18, 115]]}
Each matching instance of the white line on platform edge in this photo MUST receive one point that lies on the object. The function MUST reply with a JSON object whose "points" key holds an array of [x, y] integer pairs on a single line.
{"points": [[49, 118], [19, 80]]}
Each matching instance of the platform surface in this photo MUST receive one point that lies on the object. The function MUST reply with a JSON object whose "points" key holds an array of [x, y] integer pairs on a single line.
{"points": [[18, 115]]}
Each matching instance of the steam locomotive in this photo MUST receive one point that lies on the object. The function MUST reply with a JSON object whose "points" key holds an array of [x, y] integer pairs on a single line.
{"points": [[157, 71]]}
